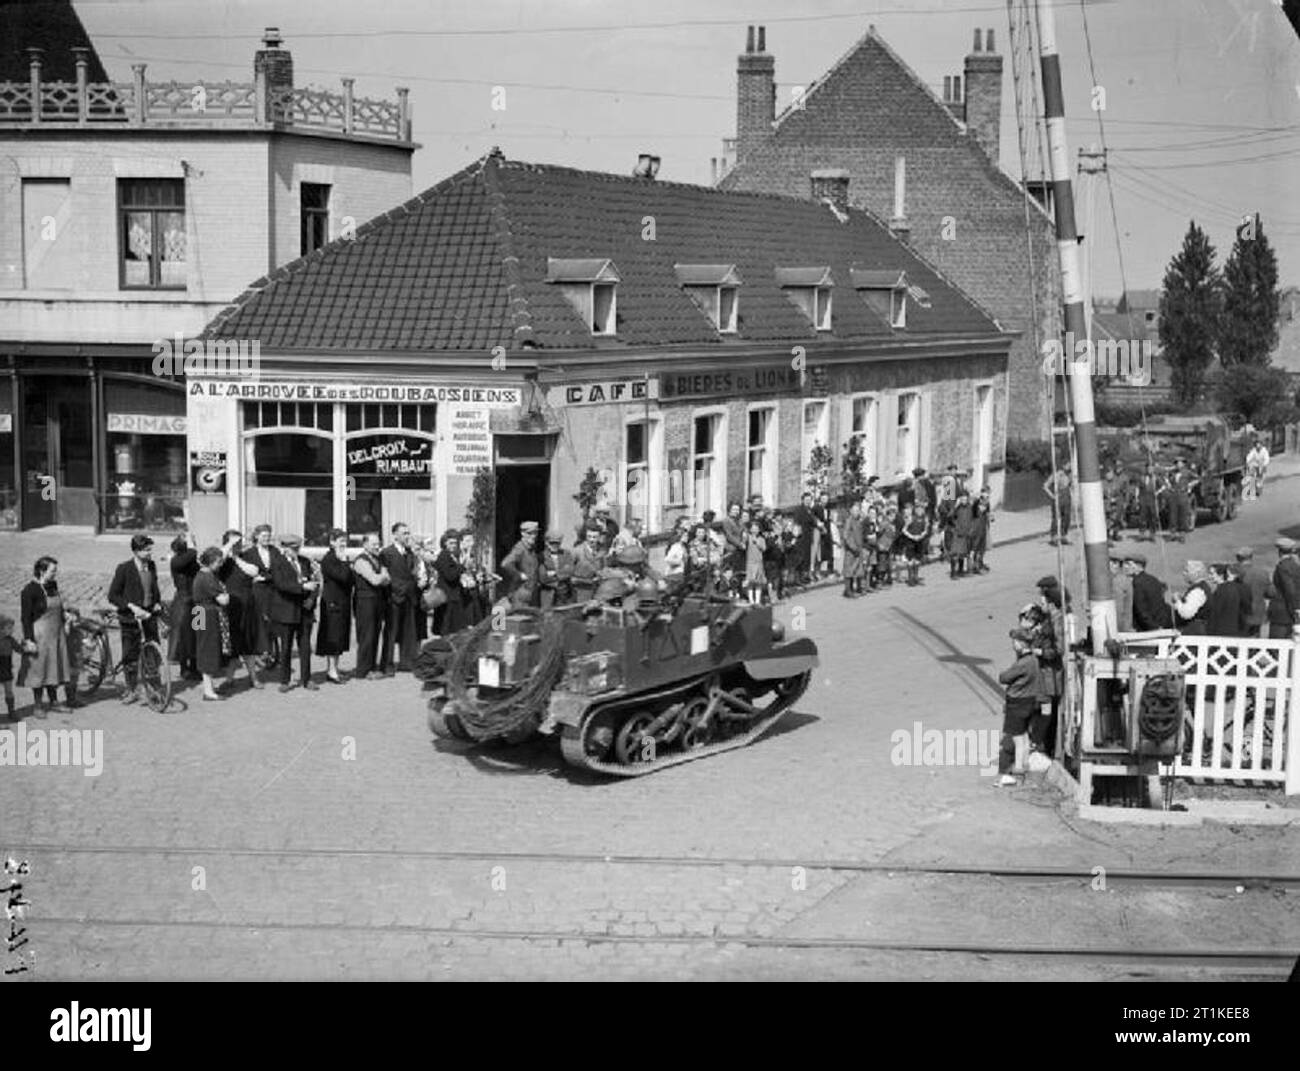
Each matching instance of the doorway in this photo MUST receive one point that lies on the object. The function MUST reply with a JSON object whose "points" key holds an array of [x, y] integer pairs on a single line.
{"points": [[58, 455], [523, 494]]}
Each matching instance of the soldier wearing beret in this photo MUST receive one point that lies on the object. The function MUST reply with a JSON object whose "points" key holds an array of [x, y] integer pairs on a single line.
{"points": [[521, 568]]}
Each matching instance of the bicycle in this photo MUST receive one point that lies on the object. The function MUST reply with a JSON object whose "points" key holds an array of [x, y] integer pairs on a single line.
{"points": [[93, 658]]}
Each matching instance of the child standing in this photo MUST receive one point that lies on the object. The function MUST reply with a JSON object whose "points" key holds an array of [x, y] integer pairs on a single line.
{"points": [[916, 533], [1021, 681], [8, 648], [755, 575]]}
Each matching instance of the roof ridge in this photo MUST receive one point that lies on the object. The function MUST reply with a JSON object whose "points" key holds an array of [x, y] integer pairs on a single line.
{"points": [[515, 292]]}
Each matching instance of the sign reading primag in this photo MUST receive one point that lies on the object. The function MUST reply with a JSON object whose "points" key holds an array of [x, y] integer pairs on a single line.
{"points": [[285, 391]]}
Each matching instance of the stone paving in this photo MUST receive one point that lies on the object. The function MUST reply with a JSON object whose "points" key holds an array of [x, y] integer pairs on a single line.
{"points": [[337, 839]]}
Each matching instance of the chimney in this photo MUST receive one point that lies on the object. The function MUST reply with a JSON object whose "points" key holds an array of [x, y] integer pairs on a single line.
{"points": [[755, 94], [275, 64], [647, 166], [899, 226], [984, 95], [831, 184]]}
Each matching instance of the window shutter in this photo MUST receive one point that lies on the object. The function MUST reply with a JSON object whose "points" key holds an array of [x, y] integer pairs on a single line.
{"points": [[923, 451], [887, 435]]}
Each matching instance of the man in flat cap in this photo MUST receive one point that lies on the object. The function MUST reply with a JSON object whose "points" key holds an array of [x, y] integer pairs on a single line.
{"points": [[1192, 607], [293, 595], [1256, 580], [555, 573], [1150, 610], [1122, 585], [1284, 594], [521, 568]]}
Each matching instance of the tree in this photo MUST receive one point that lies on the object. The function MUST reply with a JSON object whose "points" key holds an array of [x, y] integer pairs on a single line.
{"points": [[481, 513], [1254, 394], [1248, 324], [853, 476], [589, 491], [817, 478], [1189, 312]]}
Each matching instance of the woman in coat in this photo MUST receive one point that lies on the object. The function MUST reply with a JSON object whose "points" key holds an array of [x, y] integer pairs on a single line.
{"points": [[213, 639], [184, 566], [237, 575], [451, 574], [335, 605], [961, 524], [851, 539], [46, 660]]}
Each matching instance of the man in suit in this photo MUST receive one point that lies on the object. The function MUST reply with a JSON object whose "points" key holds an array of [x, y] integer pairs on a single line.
{"points": [[135, 594], [403, 604], [588, 561], [1256, 580], [1284, 594], [370, 604], [1150, 610], [293, 595]]}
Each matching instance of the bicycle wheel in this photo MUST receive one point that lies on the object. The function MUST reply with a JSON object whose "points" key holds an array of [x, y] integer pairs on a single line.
{"points": [[94, 659], [155, 676]]}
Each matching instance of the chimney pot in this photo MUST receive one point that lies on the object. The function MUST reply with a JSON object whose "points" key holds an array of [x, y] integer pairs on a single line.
{"points": [[947, 88], [271, 38], [831, 184], [977, 42], [762, 38], [988, 41], [956, 88], [749, 40]]}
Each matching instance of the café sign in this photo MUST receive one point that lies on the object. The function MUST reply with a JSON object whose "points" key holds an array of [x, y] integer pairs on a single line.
{"points": [[271, 391], [730, 382], [626, 390]]}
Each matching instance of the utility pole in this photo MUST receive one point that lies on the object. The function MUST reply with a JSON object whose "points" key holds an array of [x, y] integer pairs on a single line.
{"points": [[1101, 599], [1092, 162]]}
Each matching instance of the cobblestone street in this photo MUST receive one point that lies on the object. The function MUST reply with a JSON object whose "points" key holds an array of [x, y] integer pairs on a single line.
{"points": [[326, 834]]}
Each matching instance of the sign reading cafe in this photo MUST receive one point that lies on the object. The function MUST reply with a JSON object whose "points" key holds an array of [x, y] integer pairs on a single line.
{"points": [[285, 391]]}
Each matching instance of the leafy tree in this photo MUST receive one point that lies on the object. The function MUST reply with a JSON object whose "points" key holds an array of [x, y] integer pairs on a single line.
{"points": [[589, 491], [481, 514], [1248, 326], [1189, 312], [1253, 393], [853, 476], [818, 477]]}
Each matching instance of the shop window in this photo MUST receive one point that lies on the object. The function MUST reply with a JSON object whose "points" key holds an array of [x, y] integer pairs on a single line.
{"points": [[761, 455], [314, 199], [145, 457], [378, 415], [8, 492], [386, 463], [152, 233], [709, 463]]}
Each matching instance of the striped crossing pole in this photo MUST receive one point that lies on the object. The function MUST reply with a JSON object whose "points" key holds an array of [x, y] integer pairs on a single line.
{"points": [[1101, 599]]}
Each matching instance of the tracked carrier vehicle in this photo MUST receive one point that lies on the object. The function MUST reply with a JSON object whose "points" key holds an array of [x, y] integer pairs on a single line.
{"points": [[627, 689]]}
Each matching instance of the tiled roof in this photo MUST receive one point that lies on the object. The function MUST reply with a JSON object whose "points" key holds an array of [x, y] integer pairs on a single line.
{"points": [[463, 266], [1139, 300]]}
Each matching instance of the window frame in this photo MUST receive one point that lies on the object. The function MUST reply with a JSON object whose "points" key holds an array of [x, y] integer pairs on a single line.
{"points": [[823, 429], [155, 264], [313, 213], [772, 446], [655, 474], [610, 327], [913, 460], [719, 475], [870, 436]]}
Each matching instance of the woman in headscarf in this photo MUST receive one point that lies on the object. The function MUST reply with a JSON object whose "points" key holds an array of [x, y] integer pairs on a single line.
{"points": [[181, 641], [335, 628], [214, 643], [451, 579], [237, 574], [46, 662]]}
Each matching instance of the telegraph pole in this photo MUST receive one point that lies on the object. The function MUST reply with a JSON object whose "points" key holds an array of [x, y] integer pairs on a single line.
{"points": [[1101, 600]]}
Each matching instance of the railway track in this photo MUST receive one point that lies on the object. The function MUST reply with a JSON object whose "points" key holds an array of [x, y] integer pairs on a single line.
{"points": [[1209, 960]]}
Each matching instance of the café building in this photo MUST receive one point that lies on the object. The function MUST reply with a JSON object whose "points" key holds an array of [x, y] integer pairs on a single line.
{"points": [[691, 346]]}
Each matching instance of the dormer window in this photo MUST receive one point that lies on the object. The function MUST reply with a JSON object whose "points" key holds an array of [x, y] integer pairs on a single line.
{"points": [[810, 290], [590, 286], [715, 289], [886, 292]]}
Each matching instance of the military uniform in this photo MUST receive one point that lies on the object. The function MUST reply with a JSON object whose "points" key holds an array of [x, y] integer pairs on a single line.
{"points": [[522, 570]]}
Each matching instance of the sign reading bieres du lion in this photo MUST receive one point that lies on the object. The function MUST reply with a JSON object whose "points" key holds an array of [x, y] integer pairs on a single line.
{"points": [[731, 383], [285, 391]]}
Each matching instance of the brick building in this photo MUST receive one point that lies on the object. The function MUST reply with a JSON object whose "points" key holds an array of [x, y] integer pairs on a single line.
{"points": [[131, 213], [689, 344], [928, 165]]}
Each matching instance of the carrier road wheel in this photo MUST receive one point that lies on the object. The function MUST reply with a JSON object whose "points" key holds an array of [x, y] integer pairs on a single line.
{"points": [[696, 733], [155, 677], [442, 722], [631, 745], [790, 689]]}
